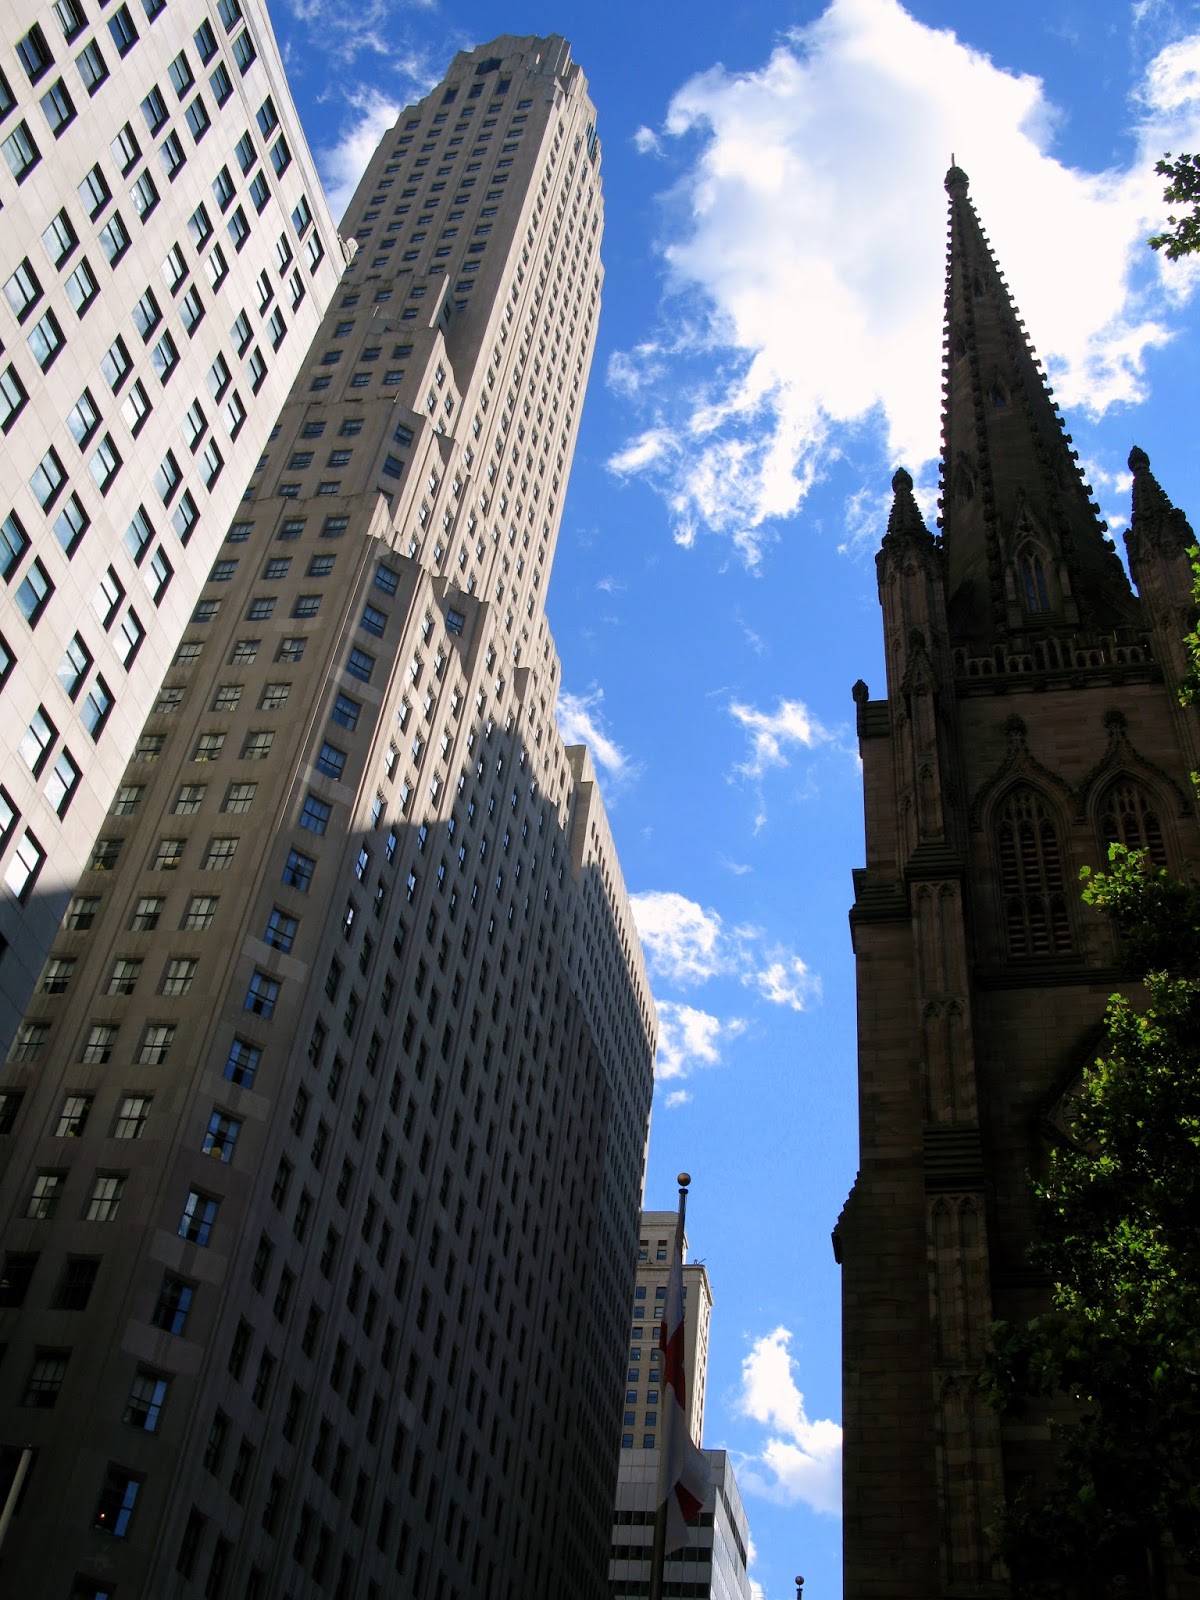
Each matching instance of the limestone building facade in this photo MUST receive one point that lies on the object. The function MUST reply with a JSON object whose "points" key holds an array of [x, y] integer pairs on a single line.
{"points": [[1030, 719], [166, 255], [324, 1130]]}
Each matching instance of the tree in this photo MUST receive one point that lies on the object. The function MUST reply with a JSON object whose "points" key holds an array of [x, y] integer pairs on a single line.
{"points": [[1116, 1362], [1183, 189]]}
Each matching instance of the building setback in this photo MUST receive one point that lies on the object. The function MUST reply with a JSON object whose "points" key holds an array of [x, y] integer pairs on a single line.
{"points": [[713, 1565], [325, 1127], [166, 255], [1031, 719]]}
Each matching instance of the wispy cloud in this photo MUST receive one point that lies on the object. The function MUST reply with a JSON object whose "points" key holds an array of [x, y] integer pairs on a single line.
{"points": [[690, 1038], [687, 944], [800, 1460], [580, 722], [342, 164], [803, 257], [775, 737]]}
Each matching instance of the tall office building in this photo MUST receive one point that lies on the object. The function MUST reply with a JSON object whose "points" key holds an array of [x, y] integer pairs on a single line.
{"points": [[324, 1131], [166, 255], [1031, 719], [713, 1564]]}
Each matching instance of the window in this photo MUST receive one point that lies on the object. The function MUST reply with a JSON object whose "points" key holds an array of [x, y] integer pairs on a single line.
{"points": [[71, 524], [1031, 876], [239, 797], [168, 857], [104, 1201], [63, 782], [143, 194], [105, 463], [20, 152], [257, 746], [220, 83], [298, 870], [75, 1286], [180, 74], [185, 517], [219, 855], [174, 1301], [315, 814], [221, 1136], [114, 239], [48, 479], [12, 398], [208, 747], [125, 150], [82, 287], [331, 761], [97, 704], [45, 340], [37, 741], [164, 358], [274, 696], [81, 913], [244, 54], [374, 621], [55, 980], [177, 978], [242, 1062], [146, 913], [14, 542], [346, 712], [124, 976], [33, 595], [262, 994], [201, 909], [72, 1119], [147, 1395], [197, 118], [361, 665], [238, 228], [199, 1216], [45, 1195], [156, 1044], [122, 30], [306, 605], [60, 238], [291, 650]]}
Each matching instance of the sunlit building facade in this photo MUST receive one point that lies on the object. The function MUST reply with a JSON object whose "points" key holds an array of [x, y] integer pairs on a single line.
{"points": [[166, 255], [325, 1128]]}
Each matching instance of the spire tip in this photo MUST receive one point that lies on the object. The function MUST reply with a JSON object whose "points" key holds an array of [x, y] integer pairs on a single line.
{"points": [[1139, 461], [957, 181]]}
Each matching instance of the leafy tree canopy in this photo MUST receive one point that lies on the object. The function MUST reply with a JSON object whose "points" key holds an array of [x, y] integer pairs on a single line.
{"points": [[1182, 190]]}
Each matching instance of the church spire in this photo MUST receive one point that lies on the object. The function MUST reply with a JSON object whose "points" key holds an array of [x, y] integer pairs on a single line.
{"points": [[1025, 546]]}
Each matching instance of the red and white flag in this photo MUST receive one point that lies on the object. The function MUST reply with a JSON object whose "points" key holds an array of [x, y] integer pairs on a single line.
{"points": [[684, 1478]]}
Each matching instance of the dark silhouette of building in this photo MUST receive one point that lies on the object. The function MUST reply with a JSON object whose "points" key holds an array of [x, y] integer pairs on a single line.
{"points": [[1031, 718]]}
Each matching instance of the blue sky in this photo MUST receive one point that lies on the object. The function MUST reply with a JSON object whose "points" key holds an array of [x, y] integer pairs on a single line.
{"points": [[769, 351]]}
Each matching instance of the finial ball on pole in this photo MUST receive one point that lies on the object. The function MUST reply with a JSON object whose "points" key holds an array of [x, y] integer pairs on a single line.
{"points": [[684, 1179]]}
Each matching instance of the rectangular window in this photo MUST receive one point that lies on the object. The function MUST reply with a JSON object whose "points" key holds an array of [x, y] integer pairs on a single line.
{"points": [[242, 1062], [361, 665], [298, 871], [201, 909], [174, 1302], [131, 1118]]}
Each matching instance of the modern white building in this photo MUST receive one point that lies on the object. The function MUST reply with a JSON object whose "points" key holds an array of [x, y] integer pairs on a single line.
{"points": [[166, 256], [323, 1133], [714, 1562]]}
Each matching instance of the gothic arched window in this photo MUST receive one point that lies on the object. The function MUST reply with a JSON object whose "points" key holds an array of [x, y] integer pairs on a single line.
{"points": [[1031, 876], [1130, 817], [1033, 581]]}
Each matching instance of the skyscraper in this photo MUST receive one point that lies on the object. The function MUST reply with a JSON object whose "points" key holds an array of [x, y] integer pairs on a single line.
{"points": [[713, 1565], [166, 255], [1031, 719], [324, 1131]]}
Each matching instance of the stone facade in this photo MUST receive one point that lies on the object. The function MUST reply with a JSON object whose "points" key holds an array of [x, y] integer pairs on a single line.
{"points": [[325, 1128], [1030, 719]]}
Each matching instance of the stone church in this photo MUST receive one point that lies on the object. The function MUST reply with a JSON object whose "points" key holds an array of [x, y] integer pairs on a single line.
{"points": [[1030, 718]]}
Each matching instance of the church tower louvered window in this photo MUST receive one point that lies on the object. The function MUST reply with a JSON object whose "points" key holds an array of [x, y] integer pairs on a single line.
{"points": [[1031, 877], [1129, 817]]}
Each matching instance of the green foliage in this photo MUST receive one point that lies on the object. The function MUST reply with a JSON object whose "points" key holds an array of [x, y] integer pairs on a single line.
{"points": [[1115, 1364], [1183, 189]]}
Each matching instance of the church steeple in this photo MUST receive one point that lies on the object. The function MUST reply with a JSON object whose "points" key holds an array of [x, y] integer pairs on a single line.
{"points": [[1025, 547]]}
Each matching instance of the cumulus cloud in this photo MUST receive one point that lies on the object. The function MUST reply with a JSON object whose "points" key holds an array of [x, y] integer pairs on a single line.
{"points": [[801, 1460], [690, 1038], [580, 722], [688, 944], [805, 251], [678, 1097]]}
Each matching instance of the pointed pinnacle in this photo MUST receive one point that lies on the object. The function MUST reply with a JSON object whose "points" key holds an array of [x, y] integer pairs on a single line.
{"points": [[1150, 501], [905, 520], [957, 182]]}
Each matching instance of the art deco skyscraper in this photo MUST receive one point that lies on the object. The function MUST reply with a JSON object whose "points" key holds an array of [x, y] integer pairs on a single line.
{"points": [[166, 255], [324, 1132]]}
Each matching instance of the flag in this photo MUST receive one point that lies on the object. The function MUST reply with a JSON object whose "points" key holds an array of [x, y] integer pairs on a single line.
{"points": [[684, 1480]]}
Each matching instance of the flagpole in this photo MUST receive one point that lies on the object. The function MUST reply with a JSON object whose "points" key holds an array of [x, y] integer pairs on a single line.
{"points": [[658, 1555]]}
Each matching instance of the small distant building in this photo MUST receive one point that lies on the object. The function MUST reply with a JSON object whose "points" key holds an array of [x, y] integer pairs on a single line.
{"points": [[714, 1563]]}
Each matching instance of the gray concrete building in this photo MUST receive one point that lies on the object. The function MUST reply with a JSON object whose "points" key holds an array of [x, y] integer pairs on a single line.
{"points": [[166, 255], [324, 1131], [713, 1565]]}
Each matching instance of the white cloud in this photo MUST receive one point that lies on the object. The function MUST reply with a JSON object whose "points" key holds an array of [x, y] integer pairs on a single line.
{"points": [[343, 164], [801, 1460], [678, 1097], [683, 942], [686, 943], [610, 585], [579, 723], [787, 981], [689, 1037], [646, 142], [774, 733], [805, 256]]}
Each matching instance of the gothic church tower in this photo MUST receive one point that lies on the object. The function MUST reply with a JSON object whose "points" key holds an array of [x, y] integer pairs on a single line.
{"points": [[1030, 719]]}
